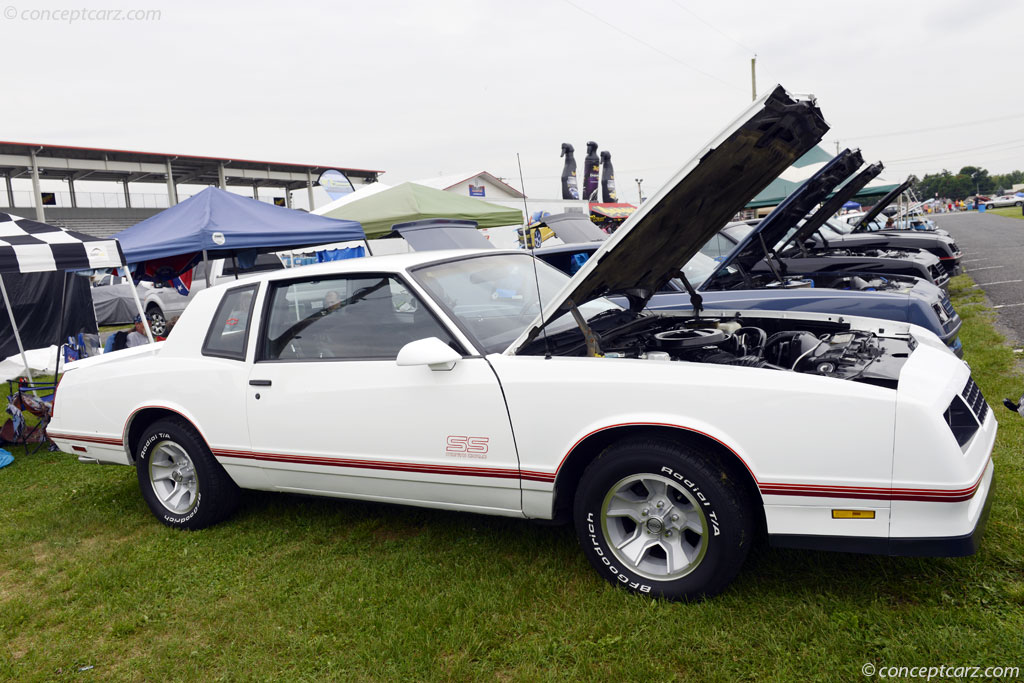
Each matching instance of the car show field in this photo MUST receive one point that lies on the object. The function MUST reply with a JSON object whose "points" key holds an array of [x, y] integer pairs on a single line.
{"points": [[543, 341], [304, 588]]}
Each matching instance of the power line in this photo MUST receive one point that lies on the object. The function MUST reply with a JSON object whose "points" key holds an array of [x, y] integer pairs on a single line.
{"points": [[936, 128], [649, 45], [712, 27], [1006, 144]]}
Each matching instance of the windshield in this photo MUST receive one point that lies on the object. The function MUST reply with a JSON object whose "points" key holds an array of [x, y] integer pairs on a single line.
{"points": [[837, 226], [494, 298], [699, 268]]}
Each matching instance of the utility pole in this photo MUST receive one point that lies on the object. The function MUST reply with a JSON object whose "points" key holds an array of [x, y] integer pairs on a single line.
{"points": [[837, 147], [639, 189], [753, 78]]}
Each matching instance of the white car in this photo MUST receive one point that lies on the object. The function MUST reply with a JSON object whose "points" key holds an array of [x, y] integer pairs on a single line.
{"points": [[432, 379], [1004, 200]]}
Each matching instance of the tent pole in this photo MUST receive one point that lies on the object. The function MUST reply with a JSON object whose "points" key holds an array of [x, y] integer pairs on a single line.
{"points": [[368, 251], [17, 335], [207, 262], [60, 324], [234, 264], [138, 304]]}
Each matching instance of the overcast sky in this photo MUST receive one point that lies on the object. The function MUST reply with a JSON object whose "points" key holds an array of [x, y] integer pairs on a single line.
{"points": [[419, 89]]}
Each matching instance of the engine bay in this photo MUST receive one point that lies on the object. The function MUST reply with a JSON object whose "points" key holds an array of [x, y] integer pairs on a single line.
{"points": [[826, 348], [870, 252], [865, 282]]}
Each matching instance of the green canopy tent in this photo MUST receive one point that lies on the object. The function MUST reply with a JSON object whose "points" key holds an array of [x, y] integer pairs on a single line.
{"points": [[410, 202], [802, 169]]}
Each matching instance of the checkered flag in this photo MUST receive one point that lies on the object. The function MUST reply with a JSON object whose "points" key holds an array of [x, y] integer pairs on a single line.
{"points": [[28, 246]]}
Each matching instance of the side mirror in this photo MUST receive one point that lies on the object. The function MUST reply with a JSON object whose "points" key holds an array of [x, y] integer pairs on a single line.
{"points": [[431, 352]]}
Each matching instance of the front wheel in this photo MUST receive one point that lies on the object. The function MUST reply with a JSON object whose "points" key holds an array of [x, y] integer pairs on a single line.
{"points": [[662, 519], [990, 206], [184, 486]]}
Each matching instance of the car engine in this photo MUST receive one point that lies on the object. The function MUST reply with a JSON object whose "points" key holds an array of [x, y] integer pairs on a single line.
{"points": [[871, 252], [831, 349]]}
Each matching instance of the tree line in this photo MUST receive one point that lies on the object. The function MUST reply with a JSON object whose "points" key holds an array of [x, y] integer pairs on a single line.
{"points": [[969, 181]]}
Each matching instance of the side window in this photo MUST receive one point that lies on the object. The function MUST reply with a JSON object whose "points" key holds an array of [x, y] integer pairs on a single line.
{"points": [[228, 335], [368, 317]]}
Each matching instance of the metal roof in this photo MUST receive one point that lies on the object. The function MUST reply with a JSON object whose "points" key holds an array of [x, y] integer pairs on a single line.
{"points": [[79, 163]]}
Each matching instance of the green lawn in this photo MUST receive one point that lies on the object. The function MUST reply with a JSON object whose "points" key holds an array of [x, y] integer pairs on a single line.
{"points": [[295, 588], [1008, 211]]}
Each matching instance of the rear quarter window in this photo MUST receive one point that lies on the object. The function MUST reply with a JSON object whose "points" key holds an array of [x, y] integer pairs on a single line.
{"points": [[228, 336]]}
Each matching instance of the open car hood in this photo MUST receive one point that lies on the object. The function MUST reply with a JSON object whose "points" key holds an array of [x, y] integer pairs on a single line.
{"points": [[769, 232], [434, 234], [833, 204], [668, 229], [574, 228], [882, 203]]}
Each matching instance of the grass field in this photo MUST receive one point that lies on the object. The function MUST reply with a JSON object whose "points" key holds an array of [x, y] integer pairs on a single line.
{"points": [[295, 588], [1008, 211]]}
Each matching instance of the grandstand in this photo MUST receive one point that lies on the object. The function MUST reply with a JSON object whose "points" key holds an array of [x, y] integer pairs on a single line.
{"points": [[49, 167]]}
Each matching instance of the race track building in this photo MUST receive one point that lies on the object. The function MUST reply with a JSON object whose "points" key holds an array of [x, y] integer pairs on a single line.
{"points": [[53, 171]]}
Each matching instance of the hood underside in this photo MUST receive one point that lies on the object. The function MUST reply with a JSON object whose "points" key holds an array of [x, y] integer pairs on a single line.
{"points": [[669, 228], [833, 204], [884, 202], [751, 249]]}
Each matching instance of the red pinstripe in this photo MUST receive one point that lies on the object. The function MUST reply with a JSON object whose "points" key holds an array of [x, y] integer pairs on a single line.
{"points": [[87, 439], [814, 490], [766, 488]]}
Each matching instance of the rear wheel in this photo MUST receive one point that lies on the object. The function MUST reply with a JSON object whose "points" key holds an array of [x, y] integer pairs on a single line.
{"points": [[179, 478], [157, 321], [990, 206], [662, 519]]}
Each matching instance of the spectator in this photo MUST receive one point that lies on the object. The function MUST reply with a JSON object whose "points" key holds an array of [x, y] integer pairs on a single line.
{"points": [[137, 337]]}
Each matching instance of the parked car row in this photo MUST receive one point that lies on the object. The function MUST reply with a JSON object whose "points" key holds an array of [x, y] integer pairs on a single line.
{"points": [[490, 381]]}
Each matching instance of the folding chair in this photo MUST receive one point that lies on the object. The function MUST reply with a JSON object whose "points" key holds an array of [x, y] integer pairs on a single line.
{"points": [[23, 397]]}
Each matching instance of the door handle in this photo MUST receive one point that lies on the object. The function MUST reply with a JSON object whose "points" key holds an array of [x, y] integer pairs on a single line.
{"points": [[259, 382]]}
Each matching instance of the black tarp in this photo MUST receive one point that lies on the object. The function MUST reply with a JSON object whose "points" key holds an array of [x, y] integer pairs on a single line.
{"points": [[35, 300]]}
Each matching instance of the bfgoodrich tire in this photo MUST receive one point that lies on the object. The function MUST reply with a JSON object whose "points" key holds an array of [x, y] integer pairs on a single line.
{"points": [[658, 518], [184, 486]]}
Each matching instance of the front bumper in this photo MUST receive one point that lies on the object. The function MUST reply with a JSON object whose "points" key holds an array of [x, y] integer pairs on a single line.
{"points": [[947, 546]]}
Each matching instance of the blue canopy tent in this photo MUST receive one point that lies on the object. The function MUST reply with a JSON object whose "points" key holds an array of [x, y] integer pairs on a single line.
{"points": [[219, 224], [851, 205]]}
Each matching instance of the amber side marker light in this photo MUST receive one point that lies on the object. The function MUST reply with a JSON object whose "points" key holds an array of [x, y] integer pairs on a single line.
{"points": [[853, 514]]}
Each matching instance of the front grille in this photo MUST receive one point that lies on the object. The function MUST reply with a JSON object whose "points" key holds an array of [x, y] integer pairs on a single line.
{"points": [[966, 413], [973, 398], [947, 305], [956, 249]]}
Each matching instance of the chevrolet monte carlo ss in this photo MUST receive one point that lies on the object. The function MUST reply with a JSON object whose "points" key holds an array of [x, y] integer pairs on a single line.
{"points": [[487, 381]]}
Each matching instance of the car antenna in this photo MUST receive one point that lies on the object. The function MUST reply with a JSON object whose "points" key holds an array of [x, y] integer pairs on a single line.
{"points": [[533, 245]]}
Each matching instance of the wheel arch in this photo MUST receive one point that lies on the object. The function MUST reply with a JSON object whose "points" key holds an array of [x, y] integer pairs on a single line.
{"points": [[143, 417], [593, 444]]}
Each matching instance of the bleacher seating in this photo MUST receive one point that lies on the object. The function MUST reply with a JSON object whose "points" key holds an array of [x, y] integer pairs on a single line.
{"points": [[97, 227]]}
